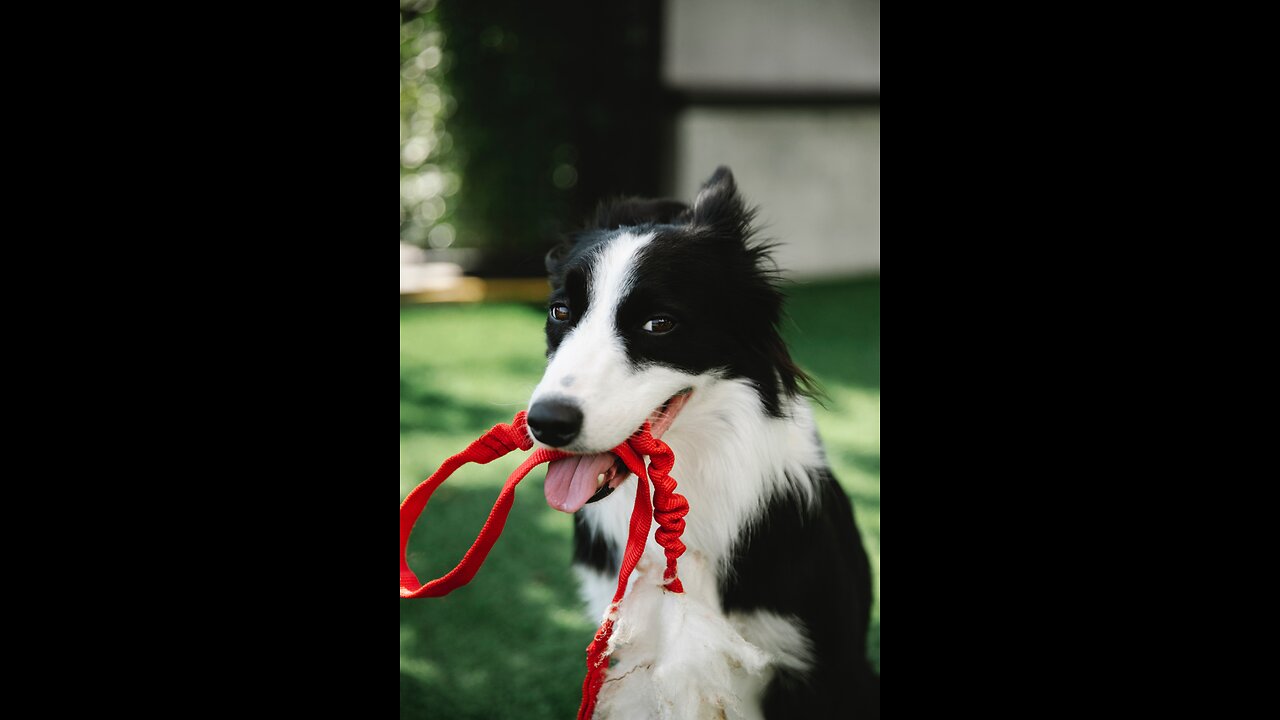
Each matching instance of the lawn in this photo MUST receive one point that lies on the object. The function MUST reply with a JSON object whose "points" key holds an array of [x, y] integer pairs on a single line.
{"points": [[510, 644]]}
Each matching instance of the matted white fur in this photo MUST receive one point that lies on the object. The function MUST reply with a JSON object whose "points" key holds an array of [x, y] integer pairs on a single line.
{"points": [[679, 656]]}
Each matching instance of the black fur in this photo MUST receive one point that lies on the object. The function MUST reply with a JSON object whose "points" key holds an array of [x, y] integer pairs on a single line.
{"points": [[592, 550], [705, 270], [631, 212], [809, 562]]}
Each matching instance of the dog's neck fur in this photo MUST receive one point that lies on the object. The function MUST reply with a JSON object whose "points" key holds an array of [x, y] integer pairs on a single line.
{"points": [[730, 458], [681, 656]]}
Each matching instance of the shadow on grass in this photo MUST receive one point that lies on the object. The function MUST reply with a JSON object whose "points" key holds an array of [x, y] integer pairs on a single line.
{"points": [[525, 367], [866, 462], [424, 408], [834, 330], [511, 643]]}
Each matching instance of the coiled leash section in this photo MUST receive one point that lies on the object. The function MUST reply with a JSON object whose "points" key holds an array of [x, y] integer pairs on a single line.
{"points": [[668, 508]]}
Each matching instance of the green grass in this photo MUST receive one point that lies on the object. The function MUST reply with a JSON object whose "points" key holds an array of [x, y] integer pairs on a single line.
{"points": [[510, 644]]}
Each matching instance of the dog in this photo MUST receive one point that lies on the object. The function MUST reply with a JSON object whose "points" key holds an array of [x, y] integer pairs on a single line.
{"points": [[669, 313]]}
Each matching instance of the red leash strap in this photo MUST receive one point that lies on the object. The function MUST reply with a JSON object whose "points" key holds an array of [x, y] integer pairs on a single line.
{"points": [[669, 509], [500, 440]]}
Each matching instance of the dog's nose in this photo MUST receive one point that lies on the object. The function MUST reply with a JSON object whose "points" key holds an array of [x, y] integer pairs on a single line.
{"points": [[555, 422]]}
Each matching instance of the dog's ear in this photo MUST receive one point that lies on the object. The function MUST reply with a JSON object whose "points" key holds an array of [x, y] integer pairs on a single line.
{"points": [[632, 211], [560, 254], [719, 207], [556, 255]]}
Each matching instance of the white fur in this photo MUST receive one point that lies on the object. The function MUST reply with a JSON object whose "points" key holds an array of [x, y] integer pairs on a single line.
{"points": [[592, 586], [730, 458], [614, 397], [785, 637], [680, 656]]}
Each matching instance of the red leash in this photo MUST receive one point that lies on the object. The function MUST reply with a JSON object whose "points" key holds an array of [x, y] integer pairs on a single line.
{"points": [[669, 510]]}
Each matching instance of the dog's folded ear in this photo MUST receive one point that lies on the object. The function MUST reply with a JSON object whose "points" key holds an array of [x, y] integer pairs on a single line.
{"points": [[633, 211], [561, 253], [718, 205], [556, 255]]}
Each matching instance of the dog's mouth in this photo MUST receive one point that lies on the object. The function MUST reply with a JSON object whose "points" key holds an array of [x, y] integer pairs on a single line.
{"points": [[581, 479]]}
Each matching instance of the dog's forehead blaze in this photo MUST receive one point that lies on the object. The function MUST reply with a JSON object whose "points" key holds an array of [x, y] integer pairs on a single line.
{"points": [[612, 270]]}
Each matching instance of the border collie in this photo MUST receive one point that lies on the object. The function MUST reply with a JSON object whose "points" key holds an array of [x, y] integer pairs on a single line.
{"points": [[669, 313]]}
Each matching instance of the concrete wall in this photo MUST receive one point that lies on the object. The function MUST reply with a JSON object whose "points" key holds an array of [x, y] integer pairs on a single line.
{"points": [[814, 173], [812, 165], [793, 45]]}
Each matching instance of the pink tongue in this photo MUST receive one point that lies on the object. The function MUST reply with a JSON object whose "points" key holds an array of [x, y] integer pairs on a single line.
{"points": [[571, 481]]}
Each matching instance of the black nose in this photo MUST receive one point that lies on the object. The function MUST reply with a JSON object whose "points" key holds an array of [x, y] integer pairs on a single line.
{"points": [[555, 422]]}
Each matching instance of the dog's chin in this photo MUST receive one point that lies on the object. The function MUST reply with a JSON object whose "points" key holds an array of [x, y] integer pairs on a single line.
{"points": [[585, 478]]}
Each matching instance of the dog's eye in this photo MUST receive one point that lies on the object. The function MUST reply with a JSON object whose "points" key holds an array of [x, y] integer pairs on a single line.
{"points": [[659, 325], [559, 312]]}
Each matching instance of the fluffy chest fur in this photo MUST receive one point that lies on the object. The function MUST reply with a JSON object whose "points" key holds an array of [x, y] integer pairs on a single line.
{"points": [[687, 657]]}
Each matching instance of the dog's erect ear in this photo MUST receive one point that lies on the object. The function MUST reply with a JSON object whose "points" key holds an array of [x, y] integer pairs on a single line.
{"points": [[632, 211], [718, 205], [718, 199]]}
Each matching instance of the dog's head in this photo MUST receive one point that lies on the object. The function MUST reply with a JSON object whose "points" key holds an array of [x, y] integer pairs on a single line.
{"points": [[652, 302]]}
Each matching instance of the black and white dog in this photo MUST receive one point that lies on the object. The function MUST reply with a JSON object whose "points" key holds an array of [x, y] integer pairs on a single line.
{"points": [[669, 313]]}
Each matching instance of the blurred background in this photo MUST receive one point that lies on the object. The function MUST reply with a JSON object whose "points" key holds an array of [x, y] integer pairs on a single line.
{"points": [[516, 118]]}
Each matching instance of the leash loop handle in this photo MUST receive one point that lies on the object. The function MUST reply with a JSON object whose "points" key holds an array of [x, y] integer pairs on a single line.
{"points": [[499, 441], [667, 507]]}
